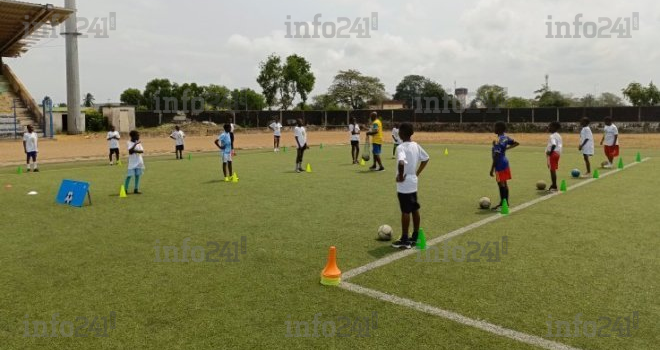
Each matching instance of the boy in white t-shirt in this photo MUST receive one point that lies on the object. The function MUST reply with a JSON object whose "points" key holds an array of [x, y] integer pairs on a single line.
{"points": [[396, 138], [30, 139], [300, 134], [412, 160], [113, 143], [611, 141], [178, 136], [276, 126], [354, 132], [586, 144], [135, 161], [553, 151]]}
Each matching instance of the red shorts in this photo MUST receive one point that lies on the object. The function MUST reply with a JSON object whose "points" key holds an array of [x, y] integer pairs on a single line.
{"points": [[504, 175], [612, 151], [553, 161]]}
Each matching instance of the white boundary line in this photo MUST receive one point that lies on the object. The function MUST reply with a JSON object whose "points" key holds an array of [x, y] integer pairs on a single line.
{"points": [[404, 253], [452, 316]]}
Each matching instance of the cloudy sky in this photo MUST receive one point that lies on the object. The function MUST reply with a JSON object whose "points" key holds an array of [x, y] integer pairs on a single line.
{"points": [[470, 42]]}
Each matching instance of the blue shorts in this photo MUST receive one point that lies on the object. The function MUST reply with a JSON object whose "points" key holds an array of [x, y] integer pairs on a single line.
{"points": [[135, 172], [377, 149], [32, 155]]}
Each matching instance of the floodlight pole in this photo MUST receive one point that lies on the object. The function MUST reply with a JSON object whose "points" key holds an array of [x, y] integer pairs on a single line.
{"points": [[76, 123]]}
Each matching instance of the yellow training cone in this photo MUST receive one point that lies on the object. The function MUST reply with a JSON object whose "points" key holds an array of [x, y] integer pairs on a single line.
{"points": [[309, 168], [122, 192]]}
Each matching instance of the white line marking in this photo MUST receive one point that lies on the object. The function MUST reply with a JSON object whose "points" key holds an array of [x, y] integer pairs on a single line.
{"points": [[485, 326], [404, 253]]}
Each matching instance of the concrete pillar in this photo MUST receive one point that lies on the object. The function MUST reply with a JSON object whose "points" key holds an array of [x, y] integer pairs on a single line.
{"points": [[76, 122]]}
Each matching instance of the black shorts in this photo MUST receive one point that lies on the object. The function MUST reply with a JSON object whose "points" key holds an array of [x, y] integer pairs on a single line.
{"points": [[355, 143], [179, 147], [408, 202], [114, 151]]}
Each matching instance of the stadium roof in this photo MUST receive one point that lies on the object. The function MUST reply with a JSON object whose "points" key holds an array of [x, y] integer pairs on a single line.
{"points": [[21, 25]]}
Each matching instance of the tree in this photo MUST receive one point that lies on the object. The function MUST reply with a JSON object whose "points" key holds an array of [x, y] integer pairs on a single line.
{"points": [[639, 95], [298, 78], [409, 89], [89, 100], [270, 78], [492, 96], [517, 102], [608, 99], [218, 97], [156, 94], [353, 89], [247, 99], [132, 97], [588, 100], [553, 99], [325, 102]]}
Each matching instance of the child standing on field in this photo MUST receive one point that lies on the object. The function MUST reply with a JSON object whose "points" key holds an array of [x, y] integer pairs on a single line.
{"points": [[553, 152], [611, 141], [224, 144], [396, 138], [354, 132], [410, 155], [113, 143], [586, 144], [30, 148], [178, 136], [135, 161], [500, 168], [276, 126], [300, 134]]}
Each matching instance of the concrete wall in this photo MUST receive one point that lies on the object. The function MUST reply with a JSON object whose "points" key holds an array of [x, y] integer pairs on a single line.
{"points": [[122, 118]]}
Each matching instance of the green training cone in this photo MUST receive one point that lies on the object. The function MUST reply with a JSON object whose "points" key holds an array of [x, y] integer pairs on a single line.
{"points": [[620, 163], [638, 159], [421, 240], [562, 187], [321, 146], [505, 207], [19, 171], [284, 149], [189, 156], [596, 174]]}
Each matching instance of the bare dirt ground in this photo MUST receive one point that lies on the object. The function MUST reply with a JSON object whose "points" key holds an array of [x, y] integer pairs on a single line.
{"points": [[94, 146]]}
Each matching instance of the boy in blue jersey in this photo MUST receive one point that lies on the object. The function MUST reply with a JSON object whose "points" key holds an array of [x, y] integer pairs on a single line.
{"points": [[500, 168], [224, 144]]}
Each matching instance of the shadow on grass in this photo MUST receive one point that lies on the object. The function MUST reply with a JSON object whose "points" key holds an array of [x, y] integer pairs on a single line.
{"points": [[383, 251], [216, 181]]}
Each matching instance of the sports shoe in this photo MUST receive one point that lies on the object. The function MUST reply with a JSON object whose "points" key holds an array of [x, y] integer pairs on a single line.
{"points": [[36, 170], [551, 189], [372, 168], [497, 208], [226, 179], [381, 169], [404, 244], [412, 243], [136, 192]]}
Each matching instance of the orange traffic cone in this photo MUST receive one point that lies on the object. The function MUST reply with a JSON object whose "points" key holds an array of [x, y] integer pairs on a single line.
{"points": [[331, 275]]}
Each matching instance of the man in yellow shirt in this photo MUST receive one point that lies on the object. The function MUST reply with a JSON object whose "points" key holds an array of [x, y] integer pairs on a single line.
{"points": [[377, 140]]}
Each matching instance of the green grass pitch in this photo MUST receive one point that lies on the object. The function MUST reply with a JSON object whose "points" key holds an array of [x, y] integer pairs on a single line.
{"points": [[591, 251]]}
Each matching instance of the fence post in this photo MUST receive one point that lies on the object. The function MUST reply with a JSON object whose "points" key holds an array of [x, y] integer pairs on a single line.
{"points": [[557, 114], [532, 115], [639, 114], [325, 119], [392, 117], [508, 115], [348, 118]]}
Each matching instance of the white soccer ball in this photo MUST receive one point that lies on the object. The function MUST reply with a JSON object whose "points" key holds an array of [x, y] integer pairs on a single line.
{"points": [[484, 203], [385, 233]]}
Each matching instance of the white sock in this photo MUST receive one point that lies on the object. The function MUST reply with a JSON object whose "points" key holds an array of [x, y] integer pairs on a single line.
{"points": [[34, 165]]}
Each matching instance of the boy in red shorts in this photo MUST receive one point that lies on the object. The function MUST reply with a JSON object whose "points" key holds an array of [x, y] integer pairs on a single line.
{"points": [[611, 141], [500, 168], [553, 151]]}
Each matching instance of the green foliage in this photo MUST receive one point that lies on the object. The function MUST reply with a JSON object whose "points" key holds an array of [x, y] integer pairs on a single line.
{"points": [[517, 102], [553, 99], [325, 102], [88, 100], [217, 97], [410, 87], [132, 97], [492, 96], [247, 99], [353, 89], [298, 77], [270, 76], [639, 95], [95, 121]]}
